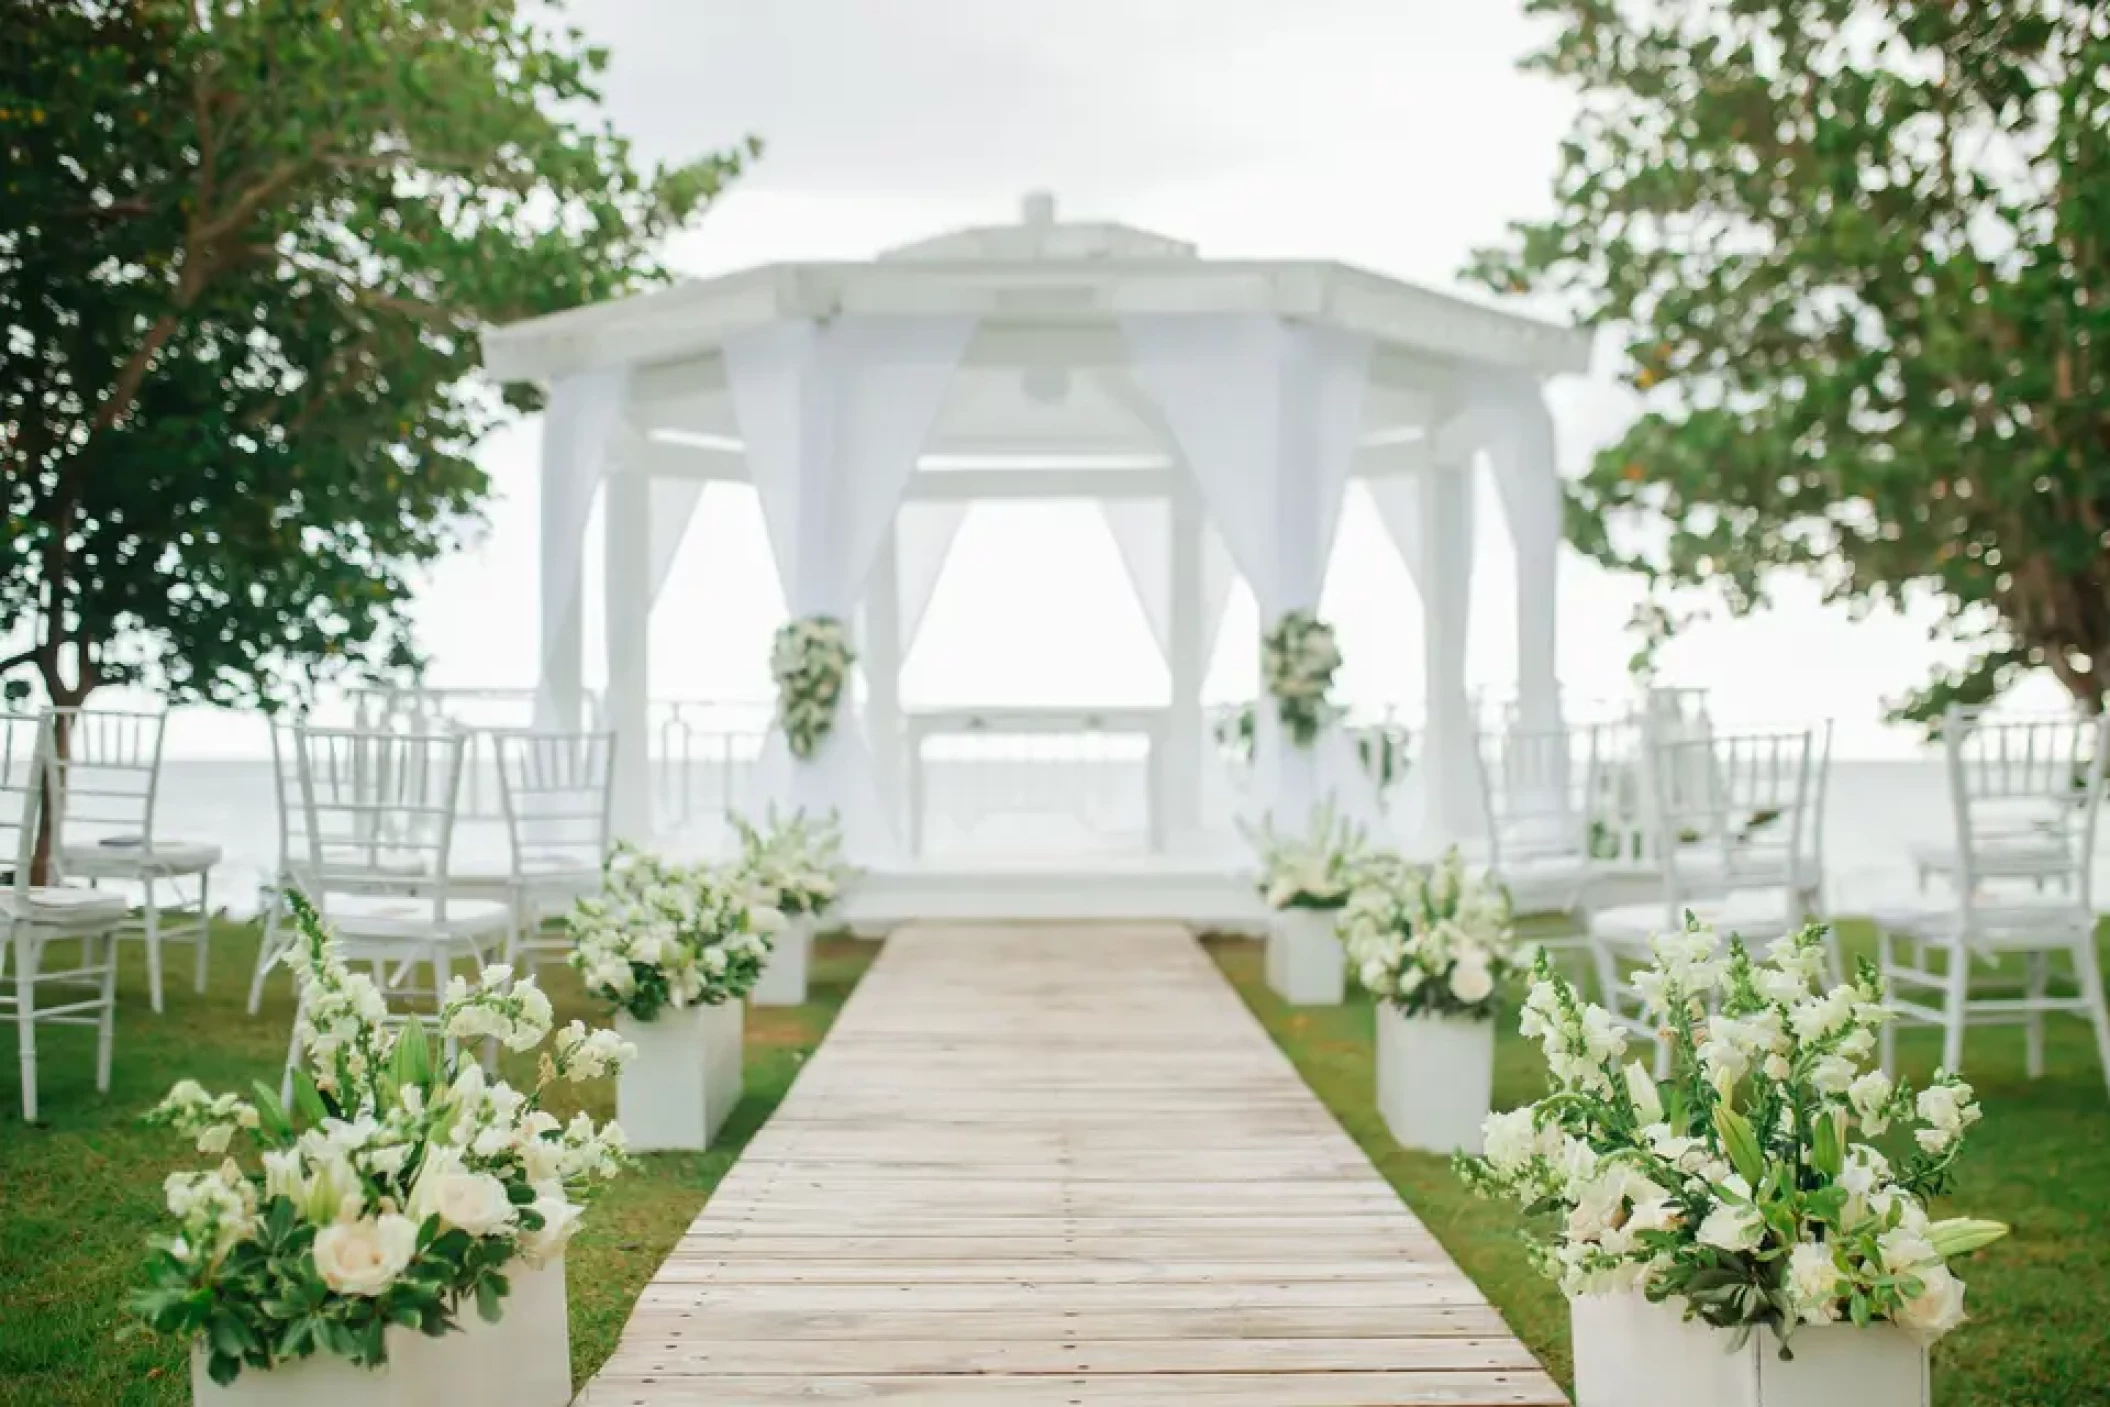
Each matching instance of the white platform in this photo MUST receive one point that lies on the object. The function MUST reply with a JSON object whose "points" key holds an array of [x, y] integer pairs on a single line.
{"points": [[1202, 894]]}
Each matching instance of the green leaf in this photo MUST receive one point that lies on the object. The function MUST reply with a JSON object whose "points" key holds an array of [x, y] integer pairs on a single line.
{"points": [[270, 1114], [307, 1100], [411, 1063], [1827, 1148]]}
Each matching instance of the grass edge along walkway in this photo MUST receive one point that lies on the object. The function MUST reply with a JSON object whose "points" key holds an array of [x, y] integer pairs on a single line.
{"points": [[2039, 1300], [80, 1193]]}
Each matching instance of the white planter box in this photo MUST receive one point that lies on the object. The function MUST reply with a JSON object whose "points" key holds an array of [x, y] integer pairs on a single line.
{"points": [[685, 1080], [783, 982], [1305, 963], [1630, 1353], [524, 1360], [1435, 1078]]}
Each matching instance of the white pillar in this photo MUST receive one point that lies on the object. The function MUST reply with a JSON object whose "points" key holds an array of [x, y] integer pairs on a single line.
{"points": [[882, 667], [1534, 499], [1451, 786], [627, 524], [1182, 770]]}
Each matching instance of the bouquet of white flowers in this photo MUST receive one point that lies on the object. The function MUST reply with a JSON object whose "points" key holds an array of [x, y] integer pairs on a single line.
{"points": [[402, 1184], [1317, 870], [1429, 940], [810, 660], [1750, 1184], [795, 865], [1298, 659], [669, 936]]}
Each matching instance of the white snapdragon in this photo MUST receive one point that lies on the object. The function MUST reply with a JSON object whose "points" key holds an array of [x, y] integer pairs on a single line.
{"points": [[1947, 1108]]}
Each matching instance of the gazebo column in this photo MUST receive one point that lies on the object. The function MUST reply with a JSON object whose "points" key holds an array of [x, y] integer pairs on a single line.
{"points": [[1182, 769], [1450, 792], [627, 607], [1529, 479], [882, 670], [579, 428]]}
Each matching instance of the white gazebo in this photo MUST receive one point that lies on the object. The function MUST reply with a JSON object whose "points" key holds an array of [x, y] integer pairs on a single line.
{"points": [[1216, 409]]}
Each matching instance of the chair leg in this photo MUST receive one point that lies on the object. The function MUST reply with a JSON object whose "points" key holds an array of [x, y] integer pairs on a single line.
{"points": [[204, 930], [1887, 1033], [2089, 972], [150, 919], [106, 1019], [26, 956], [2033, 1031], [266, 952], [1954, 998]]}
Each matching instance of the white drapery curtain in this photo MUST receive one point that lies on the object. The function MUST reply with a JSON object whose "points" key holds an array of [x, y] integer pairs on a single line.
{"points": [[673, 508], [1267, 415], [1142, 530], [923, 539], [579, 429], [835, 416]]}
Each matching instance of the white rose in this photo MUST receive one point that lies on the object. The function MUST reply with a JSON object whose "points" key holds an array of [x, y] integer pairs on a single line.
{"points": [[365, 1257], [1936, 1309], [560, 1217], [1508, 1139], [1732, 1228], [1471, 982], [475, 1202], [1813, 1281]]}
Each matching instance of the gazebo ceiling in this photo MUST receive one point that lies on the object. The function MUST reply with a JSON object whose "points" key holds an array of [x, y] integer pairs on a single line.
{"points": [[1045, 294]]}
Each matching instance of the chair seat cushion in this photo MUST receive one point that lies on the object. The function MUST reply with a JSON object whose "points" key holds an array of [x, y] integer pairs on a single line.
{"points": [[117, 860], [1757, 916], [1545, 883], [2019, 926], [62, 906], [404, 916], [2006, 857]]}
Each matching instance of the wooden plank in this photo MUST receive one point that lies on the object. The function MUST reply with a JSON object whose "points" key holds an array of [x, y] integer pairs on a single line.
{"points": [[1043, 1168]]}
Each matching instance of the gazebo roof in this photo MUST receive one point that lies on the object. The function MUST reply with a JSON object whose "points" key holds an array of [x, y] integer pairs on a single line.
{"points": [[1040, 276]]}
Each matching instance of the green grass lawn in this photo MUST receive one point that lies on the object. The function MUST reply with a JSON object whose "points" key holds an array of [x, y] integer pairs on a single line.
{"points": [[2039, 1301], [79, 1194]]}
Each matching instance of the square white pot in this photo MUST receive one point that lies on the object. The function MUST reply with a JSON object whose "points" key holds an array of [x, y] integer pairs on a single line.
{"points": [[1435, 1078], [1630, 1353], [1305, 963], [524, 1360], [783, 982], [685, 1080]]}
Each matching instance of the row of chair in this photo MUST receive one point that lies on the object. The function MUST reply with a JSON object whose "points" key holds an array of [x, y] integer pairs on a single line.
{"points": [[367, 821], [1728, 826]]}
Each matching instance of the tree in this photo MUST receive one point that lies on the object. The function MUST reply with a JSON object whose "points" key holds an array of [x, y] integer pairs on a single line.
{"points": [[246, 248], [1857, 252]]}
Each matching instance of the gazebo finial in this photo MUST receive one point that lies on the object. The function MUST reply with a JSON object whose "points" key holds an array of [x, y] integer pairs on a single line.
{"points": [[1038, 209]]}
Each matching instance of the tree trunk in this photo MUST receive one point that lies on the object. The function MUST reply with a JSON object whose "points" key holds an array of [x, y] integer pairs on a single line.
{"points": [[40, 866]]}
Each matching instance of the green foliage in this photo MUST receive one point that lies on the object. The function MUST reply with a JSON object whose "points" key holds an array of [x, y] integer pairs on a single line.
{"points": [[1860, 256], [246, 248]]}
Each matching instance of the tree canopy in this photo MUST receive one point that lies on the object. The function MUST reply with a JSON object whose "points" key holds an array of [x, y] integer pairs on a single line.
{"points": [[1859, 254], [246, 248]]}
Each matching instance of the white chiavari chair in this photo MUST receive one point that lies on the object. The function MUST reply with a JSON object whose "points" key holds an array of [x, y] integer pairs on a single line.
{"points": [[378, 812], [2027, 796], [109, 787], [555, 789], [1534, 787], [1727, 819], [40, 917]]}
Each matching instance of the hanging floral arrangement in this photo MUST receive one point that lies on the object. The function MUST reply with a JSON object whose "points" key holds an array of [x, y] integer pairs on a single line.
{"points": [[811, 661], [1298, 659]]}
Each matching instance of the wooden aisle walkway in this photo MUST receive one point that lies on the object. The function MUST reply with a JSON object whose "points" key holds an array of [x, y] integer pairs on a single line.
{"points": [[1043, 1167]]}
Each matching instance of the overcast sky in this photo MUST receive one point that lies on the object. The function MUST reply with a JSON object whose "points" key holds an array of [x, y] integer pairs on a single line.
{"points": [[1395, 134]]}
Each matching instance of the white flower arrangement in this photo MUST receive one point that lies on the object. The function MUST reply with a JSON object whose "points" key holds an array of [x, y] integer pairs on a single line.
{"points": [[663, 936], [793, 865], [1749, 1185], [810, 660], [1435, 941], [1317, 870], [1298, 659], [402, 1184]]}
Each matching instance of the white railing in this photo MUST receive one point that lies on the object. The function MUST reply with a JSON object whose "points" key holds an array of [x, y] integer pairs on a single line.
{"points": [[976, 774], [705, 756]]}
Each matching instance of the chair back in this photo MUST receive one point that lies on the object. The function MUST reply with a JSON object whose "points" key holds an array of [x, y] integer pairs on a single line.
{"points": [[555, 789], [2027, 793], [1728, 810], [377, 809], [1535, 786], [107, 778], [25, 744]]}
